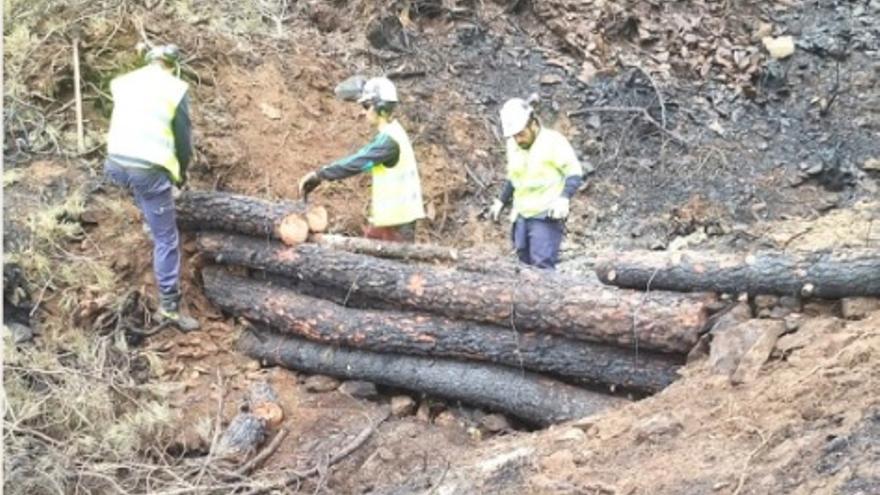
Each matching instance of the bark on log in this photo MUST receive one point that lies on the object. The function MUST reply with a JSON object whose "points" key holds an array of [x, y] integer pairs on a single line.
{"points": [[469, 260], [532, 398], [392, 250], [248, 429], [828, 275], [394, 332], [205, 210], [531, 302]]}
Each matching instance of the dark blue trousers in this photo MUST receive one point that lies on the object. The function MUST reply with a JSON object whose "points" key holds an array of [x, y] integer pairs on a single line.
{"points": [[537, 241], [151, 188]]}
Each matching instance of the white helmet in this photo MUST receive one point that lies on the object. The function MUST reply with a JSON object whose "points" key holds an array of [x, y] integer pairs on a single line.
{"points": [[379, 90], [515, 116]]}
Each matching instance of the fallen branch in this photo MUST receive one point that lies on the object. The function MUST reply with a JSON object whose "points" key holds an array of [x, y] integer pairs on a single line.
{"points": [[264, 454], [639, 110], [335, 458], [658, 93], [77, 92]]}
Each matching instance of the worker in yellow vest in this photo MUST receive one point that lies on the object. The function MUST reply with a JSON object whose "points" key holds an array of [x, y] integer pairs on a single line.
{"points": [[543, 173], [148, 150], [397, 190]]}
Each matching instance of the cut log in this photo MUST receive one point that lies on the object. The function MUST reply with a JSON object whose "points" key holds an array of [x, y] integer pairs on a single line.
{"points": [[828, 275], [396, 332], [317, 218], [389, 249], [531, 302], [204, 210], [248, 429], [532, 398]]}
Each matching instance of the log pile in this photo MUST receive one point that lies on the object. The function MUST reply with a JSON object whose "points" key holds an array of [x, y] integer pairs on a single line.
{"points": [[531, 344]]}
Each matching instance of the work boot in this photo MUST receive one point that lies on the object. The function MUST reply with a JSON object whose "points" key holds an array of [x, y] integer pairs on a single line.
{"points": [[169, 313]]}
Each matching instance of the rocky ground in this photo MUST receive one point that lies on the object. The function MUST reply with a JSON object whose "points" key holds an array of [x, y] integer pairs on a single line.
{"points": [[699, 138]]}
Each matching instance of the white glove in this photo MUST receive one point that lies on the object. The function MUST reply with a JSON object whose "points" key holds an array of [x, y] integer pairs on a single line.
{"points": [[495, 210], [558, 209]]}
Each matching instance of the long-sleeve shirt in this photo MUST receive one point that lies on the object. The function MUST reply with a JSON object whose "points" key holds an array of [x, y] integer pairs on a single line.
{"points": [[182, 129], [382, 150]]}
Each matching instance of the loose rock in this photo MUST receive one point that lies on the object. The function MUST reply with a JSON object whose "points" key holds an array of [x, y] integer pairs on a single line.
{"points": [[402, 405], [321, 383], [359, 389]]}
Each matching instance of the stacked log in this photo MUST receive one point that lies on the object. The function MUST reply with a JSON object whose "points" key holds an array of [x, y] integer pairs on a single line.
{"points": [[827, 275], [529, 343]]}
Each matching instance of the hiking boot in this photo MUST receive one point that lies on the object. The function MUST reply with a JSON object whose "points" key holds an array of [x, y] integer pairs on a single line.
{"points": [[169, 313]]}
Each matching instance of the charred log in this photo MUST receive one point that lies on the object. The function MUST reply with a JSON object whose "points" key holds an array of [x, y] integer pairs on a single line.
{"points": [[829, 275], [396, 332], [532, 398], [531, 302]]}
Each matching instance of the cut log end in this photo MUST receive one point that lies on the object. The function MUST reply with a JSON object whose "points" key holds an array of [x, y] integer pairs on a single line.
{"points": [[317, 219], [270, 412], [293, 230]]}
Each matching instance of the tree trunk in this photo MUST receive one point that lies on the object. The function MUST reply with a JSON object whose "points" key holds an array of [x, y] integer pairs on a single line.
{"points": [[531, 302], [389, 249], [204, 210], [829, 275], [395, 332], [532, 398]]}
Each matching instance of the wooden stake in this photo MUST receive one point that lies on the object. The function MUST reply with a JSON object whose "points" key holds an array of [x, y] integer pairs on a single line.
{"points": [[80, 137]]}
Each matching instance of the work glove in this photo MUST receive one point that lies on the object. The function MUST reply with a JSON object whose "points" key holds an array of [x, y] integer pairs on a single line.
{"points": [[308, 184], [495, 210], [558, 209]]}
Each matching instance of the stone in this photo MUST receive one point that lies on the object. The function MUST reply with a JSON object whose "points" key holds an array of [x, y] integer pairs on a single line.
{"points": [[321, 383], [730, 346], [763, 301], [21, 334], [820, 307], [561, 461], [495, 423], [385, 454], [737, 314], [857, 308], [359, 389], [424, 412], [402, 405], [872, 164], [351, 88], [656, 427], [755, 357], [447, 418], [780, 47]]}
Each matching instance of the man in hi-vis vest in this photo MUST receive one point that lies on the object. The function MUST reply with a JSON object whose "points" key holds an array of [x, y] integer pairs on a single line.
{"points": [[149, 148], [543, 173], [397, 191]]}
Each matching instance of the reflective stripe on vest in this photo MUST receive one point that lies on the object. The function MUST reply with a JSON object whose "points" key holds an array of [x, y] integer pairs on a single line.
{"points": [[397, 191], [144, 103], [538, 174]]}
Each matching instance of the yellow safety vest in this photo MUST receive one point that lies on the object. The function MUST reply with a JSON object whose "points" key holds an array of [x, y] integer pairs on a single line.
{"points": [[538, 173], [144, 102], [397, 191]]}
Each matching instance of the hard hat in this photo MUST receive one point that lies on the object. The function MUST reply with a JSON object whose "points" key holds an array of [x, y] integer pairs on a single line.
{"points": [[379, 90], [515, 116], [168, 53]]}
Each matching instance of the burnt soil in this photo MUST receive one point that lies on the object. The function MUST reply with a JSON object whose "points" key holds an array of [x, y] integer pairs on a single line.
{"points": [[727, 148]]}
